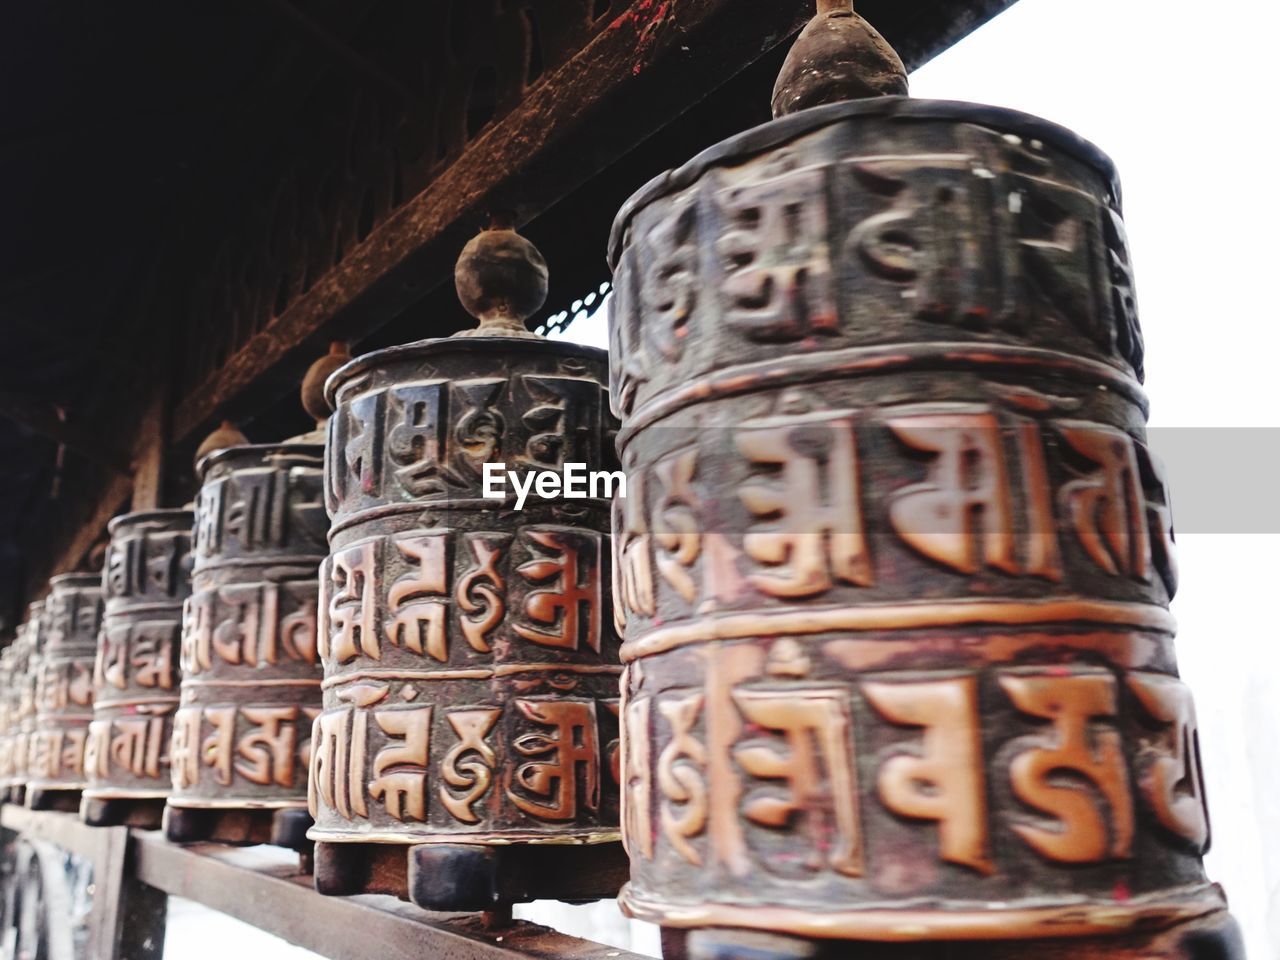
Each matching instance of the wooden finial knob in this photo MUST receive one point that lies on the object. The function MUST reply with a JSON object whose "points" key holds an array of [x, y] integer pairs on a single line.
{"points": [[227, 435], [502, 281], [838, 56], [313, 400]]}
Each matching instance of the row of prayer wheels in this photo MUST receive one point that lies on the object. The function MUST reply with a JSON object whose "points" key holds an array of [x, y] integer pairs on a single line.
{"points": [[873, 652]]}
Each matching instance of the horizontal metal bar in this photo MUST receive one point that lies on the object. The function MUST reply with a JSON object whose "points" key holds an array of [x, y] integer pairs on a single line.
{"points": [[64, 830], [264, 887]]}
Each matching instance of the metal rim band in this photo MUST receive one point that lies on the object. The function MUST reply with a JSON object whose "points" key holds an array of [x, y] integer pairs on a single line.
{"points": [[776, 133], [870, 361], [897, 616], [949, 922], [477, 839]]}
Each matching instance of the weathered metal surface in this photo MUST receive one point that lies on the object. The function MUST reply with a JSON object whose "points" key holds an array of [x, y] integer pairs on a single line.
{"points": [[895, 562], [470, 662], [25, 678], [250, 676], [64, 693], [145, 579], [13, 668]]}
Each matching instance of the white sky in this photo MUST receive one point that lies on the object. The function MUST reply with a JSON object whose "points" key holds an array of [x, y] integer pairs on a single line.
{"points": [[1183, 98]]}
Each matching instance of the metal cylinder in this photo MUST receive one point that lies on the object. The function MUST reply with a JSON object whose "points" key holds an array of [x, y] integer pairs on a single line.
{"points": [[470, 663], [895, 561], [145, 579], [250, 676], [64, 692], [30, 658], [12, 668]]}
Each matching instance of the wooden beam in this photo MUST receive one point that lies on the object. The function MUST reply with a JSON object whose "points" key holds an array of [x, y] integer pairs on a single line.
{"points": [[654, 61]]}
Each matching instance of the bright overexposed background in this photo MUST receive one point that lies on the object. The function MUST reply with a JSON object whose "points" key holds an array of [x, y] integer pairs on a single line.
{"points": [[1182, 95]]}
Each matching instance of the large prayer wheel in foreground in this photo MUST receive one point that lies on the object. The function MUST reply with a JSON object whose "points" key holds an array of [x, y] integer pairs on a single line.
{"points": [[146, 578], [465, 755], [250, 676], [895, 562], [64, 691]]}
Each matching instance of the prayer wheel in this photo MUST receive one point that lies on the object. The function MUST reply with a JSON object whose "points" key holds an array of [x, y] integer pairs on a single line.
{"points": [[895, 562], [26, 678], [465, 758], [64, 691], [13, 666], [145, 579], [6, 742], [250, 678]]}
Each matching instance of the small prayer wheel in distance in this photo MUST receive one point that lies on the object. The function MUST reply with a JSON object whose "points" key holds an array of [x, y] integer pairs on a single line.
{"points": [[465, 758], [27, 680], [64, 691], [250, 677], [6, 718], [13, 759], [895, 561], [145, 579]]}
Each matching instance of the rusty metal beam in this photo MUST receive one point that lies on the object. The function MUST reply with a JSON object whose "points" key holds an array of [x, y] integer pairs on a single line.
{"points": [[654, 62]]}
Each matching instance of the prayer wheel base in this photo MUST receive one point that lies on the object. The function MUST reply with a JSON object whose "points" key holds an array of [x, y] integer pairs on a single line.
{"points": [[238, 827], [53, 798], [472, 877], [1212, 937], [144, 813]]}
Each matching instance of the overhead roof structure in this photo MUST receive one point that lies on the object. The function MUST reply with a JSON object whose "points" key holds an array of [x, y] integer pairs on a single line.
{"points": [[197, 197]]}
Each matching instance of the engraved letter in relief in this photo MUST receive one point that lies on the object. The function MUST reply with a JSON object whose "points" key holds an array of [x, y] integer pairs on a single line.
{"points": [[668, 278], [361, 447], [418, 601], [339, 740], [637, 829], [113, 657], [675, 523], [941, 780], [400, 768], [1106, 505], [563, 423], [468, 766], [777, 257], [1076, 745], [681, 779], [236, 637], [416, 437], [267, 748], [962, 515], [816, 764], [1169, 773], [633, 589], [350, 628], [551, 774], [812, 529], [154, 644], [297, 633], [478, 428], [1061, 262], [255, 511], [215, 749], [184, 748], [480, 592], [570, 605]]}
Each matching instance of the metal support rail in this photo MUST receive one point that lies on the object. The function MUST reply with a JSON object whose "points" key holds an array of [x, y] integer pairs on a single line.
{"points": [[135, 871]]}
